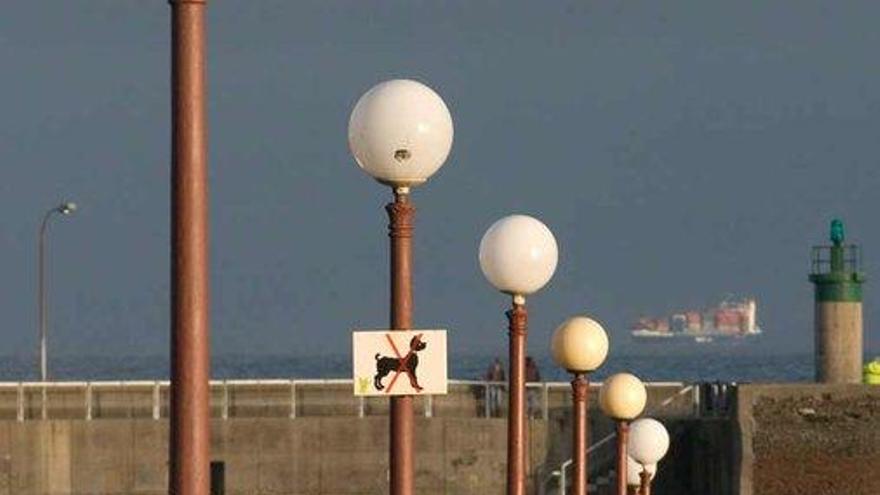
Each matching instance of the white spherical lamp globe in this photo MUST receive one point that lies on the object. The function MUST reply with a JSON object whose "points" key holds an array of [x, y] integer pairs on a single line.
{"points": [[648, 441], [623, 397], [634, 471], [518, 254], [579, 344], [400, 132]]}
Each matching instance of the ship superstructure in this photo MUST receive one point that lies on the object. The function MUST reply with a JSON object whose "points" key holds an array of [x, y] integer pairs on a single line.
{"points": [[729, 319]]}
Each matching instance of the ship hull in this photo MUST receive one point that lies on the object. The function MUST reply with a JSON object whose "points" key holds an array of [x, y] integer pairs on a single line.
{"points": [[644, 336]]}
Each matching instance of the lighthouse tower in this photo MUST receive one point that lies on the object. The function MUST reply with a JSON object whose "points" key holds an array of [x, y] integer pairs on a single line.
{"points": [[837, 277]]}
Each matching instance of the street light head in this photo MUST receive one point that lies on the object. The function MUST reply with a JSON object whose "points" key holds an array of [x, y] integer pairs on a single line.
{"points": [[400, 132], [518, 255], [622, 396], [634, 471], [579, 345], [648, 441], [67, 208]]}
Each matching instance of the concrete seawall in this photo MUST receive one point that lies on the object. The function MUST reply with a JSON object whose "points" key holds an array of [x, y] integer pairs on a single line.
{"points": [[279, 437], [818, 439], [259, 456]]}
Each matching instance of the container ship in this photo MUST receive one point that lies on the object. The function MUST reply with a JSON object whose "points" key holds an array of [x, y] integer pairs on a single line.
{"points": [[728, 320]]}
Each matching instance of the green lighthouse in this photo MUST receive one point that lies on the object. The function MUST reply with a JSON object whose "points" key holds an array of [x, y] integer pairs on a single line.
{"points": [[837, 277]]}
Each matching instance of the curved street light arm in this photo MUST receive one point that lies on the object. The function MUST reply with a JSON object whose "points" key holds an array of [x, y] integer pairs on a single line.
{"points": [[65, 208]]}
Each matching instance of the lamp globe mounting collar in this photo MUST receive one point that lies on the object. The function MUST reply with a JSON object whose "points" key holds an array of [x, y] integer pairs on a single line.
{"points": [[400, 132], [579, 344]]}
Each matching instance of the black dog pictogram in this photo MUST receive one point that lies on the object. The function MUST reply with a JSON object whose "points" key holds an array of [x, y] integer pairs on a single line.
{"points": [[406, 364]]}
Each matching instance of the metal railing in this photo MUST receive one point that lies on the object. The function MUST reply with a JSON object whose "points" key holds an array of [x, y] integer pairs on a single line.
{"points": [[696, 410], [823, 260], [275, 398]]}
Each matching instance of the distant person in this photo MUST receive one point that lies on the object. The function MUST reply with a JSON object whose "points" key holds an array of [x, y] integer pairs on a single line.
{"points": [[532, 376], [495, 389]]}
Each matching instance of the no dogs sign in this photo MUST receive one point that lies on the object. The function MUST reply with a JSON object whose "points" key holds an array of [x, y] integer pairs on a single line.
{"points": [[392, 362]]}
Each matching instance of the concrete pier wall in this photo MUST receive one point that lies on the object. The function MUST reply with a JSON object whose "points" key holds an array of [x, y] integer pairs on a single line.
{"points": [[754, 439], [260, 456], [282, 437], [818, 439]]}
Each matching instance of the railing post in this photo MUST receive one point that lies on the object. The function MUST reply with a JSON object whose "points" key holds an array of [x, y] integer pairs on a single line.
{"points": [[429, 406], [562, 481], [224, 407], [292, 399], [546, 413], [88, 401], [20, 412], [157, 401], [44, 412], [361, 406], [486, 405]]}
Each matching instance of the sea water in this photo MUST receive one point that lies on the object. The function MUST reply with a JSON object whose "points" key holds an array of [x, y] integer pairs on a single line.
{"points": [[709, 364]]}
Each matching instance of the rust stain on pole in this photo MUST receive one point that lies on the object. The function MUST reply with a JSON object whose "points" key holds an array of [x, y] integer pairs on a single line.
{"points": [[580, 388], [622, 434], [401, 214], [516, 411], [190, 434]]}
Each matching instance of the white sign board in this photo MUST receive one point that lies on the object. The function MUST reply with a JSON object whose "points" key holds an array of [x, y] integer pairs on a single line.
{"points": [[393, 362]]}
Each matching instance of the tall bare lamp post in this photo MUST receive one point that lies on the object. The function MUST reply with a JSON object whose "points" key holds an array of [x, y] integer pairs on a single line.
{"points": [[647, 444], [66, 208], [580, 345], [622, 398], [518, 255], [190, 429], [400, 132]]}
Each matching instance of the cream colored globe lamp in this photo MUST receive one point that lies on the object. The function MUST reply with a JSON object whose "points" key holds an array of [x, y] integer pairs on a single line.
{"points": [[518, 256], [622, 398], [579, 345], [400, 132], [648, 442]]}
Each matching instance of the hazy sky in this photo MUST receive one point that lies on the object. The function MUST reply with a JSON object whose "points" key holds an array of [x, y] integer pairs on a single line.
{"points": [[680, 151]]}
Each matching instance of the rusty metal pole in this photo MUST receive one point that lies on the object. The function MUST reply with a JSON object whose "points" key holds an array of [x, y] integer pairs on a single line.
{"points": [[645, 477], [516, 411], [622, 434], [190, 433], [401, 215], [580, 387]]}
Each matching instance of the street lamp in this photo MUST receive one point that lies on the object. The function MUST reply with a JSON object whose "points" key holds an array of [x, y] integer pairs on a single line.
{"points": [[579, 345], [634, 472], [400, 133], [648, 443], [66, 208], [622, 398], [518, 255]]}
